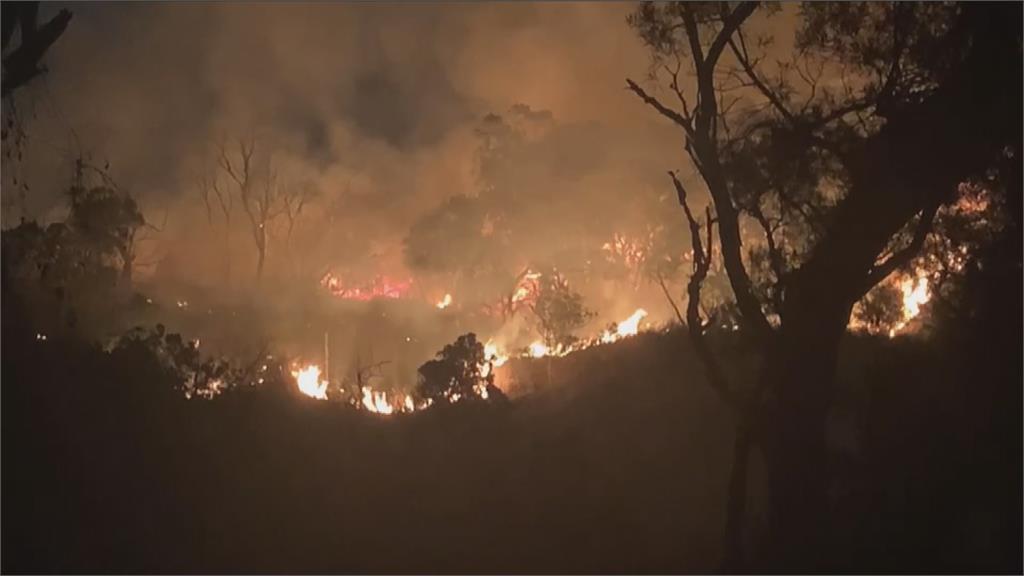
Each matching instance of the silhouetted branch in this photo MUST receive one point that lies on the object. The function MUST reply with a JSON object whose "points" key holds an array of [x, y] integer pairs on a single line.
{"points": [[684, 121], [695, 327], [22, 64], [904, 256], [668, 296]]}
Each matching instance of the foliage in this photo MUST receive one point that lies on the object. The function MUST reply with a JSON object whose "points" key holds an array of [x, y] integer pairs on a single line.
{"points": [[191, 374], [106, 221], [459, 372], [559, 310]]}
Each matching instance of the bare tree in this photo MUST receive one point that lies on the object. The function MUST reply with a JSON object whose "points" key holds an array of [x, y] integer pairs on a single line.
{"points": [[843, 184], [294, 198], [215, 197], [259, 193]]}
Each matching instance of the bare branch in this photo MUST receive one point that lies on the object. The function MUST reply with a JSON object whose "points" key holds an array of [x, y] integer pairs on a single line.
{"points": [[775, 259], [695, 327], [684, 121], [668, 296], [755, 80]]}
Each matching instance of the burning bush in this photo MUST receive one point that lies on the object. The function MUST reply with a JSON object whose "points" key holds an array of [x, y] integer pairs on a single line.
{"points": [[559, 310], [461, 370]]}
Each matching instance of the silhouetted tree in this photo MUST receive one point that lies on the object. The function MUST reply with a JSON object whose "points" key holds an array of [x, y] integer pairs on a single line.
{"points": [[460, 371], [22, 63], [106, 219], [841, 159]]}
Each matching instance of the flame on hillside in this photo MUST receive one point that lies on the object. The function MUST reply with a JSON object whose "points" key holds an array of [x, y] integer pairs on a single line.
{"points": [[380, 287], [628, 327], [309, 383], [497, 355]]}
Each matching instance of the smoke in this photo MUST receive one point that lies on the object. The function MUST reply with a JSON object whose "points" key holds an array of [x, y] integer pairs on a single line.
{"points": [[377, 109]]}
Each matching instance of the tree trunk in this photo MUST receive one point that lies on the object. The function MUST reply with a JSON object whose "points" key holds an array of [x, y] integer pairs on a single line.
{"points": [[227, 251], [800, 372], [126, 274], [261, 252], [734, 560]]}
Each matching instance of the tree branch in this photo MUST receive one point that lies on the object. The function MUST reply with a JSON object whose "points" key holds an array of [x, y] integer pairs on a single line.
{"points": [[903, 257], [685, 121], [730, 25], [695, 327]]}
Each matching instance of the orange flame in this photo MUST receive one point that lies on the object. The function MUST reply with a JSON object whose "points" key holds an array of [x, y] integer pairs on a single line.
{"points": [[381, 287], [628, 327], [308, 380], [445, 302], [915, 295]]}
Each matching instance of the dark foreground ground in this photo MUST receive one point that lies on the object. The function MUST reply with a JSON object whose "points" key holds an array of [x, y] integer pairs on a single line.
{"points": [[618, 466]]}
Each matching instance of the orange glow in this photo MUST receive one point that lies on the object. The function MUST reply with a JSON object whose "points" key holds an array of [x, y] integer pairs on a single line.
{"points": [[538, 349], [915, 294], [308, 380], [628, 327], [445, 302], [380, 287], [377, 402]]}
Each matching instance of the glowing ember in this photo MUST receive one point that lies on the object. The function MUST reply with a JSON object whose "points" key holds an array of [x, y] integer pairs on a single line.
{"points": [[309, 382], [445, 302], [381, 287], [481, 391]]}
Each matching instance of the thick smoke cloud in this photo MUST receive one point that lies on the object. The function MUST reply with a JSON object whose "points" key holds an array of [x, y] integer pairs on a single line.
{"points": [[375, 101]]}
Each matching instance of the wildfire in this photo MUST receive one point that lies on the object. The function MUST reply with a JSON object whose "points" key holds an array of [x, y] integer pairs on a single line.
{"points": [[377, 402], [444, 302], [381, 287], [630, 252], [308, 380], [538, 349], [628, 327], [526, 287], [494, 354], [915, 294], [380, 403]]}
